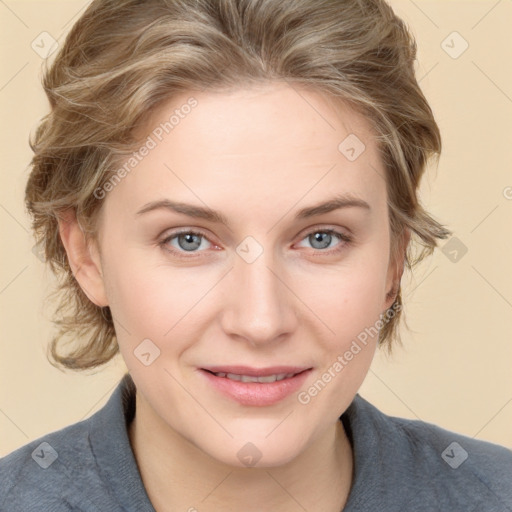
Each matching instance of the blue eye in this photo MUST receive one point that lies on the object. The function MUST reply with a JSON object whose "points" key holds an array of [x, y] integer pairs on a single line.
{"points": [[323, 238], [190, 244], [187, 241]]}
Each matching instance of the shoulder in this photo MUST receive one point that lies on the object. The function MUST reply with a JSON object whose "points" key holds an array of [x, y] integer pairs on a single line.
{"points": [[426, 440], [88, 466], [458, 468], [441, 466], [51, 462]]}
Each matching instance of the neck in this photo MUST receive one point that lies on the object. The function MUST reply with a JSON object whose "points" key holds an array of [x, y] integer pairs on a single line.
{"points": [[179, 476]]}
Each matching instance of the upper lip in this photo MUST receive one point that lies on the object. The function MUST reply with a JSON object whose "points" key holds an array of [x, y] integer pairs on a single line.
{"points": [[256, 372]]}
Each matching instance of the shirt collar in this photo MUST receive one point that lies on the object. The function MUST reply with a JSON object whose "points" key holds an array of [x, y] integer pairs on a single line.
{"points": [[112, 449]]}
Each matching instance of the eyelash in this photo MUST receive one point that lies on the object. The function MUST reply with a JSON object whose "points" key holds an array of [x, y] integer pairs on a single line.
{"points": [[179, 253]]}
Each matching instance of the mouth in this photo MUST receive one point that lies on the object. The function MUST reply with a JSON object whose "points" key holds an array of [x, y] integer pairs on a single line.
{"points": [[273, 377], [256, 387], [249, 371]]}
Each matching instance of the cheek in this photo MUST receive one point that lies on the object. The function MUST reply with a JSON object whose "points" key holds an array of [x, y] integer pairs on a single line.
{"points": [[348, 298], [350, 306], [154, 301]]}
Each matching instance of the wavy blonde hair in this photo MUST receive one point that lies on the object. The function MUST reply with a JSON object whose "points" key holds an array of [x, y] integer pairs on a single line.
{"points": [[123, 58]]}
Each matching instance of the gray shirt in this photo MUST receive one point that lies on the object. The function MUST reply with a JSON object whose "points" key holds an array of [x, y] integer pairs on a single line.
{"points": [[399, 464]]}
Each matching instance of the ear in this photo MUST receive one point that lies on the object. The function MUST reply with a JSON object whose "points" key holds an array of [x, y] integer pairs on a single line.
{"points": [[396, 269], [83, 256]]}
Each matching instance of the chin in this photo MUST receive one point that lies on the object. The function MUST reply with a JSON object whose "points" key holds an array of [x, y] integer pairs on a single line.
{"points": [[259, 453]]}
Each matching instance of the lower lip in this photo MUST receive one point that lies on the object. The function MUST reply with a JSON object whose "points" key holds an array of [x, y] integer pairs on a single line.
{"points": [[257, 393]]}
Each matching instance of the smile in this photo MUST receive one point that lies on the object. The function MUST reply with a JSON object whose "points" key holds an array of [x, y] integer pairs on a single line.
{"points": [[256, 390], [250, 378]]}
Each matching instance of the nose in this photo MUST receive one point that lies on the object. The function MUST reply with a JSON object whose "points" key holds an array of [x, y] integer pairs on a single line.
{"points": [[260, 306]]}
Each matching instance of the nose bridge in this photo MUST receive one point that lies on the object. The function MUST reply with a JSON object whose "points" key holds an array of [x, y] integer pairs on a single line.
{"points": [[259, 306]]}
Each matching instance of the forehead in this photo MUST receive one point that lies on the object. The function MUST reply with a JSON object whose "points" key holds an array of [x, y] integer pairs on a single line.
{"points": [[261, 142], [258, 119]]}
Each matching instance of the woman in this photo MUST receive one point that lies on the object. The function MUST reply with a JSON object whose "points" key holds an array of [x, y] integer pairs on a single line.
{"points": [[229, 189]]}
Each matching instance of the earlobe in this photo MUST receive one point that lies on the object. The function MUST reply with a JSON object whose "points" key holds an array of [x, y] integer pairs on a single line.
{"points": [[83, 257], [396, 270]]}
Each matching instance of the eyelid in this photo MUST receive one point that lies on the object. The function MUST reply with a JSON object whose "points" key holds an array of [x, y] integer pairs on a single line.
{"points": [[346, 238], [169, 235], [342, 231]]}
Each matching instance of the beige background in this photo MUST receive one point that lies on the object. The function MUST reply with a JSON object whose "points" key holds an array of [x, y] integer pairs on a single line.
{"points": [[455, 369]]}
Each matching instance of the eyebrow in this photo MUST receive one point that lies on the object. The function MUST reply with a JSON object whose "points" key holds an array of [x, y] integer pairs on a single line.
{"points": [[200, 212]]}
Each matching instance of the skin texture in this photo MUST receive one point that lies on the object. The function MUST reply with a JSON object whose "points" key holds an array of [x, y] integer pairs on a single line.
{"points": [[258, 155]]}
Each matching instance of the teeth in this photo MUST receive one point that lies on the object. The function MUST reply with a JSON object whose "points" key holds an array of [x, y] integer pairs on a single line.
{"points": [[250, 378]]}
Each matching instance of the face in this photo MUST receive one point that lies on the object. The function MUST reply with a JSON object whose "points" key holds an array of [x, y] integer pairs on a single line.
{"points": [[274, 282]]}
